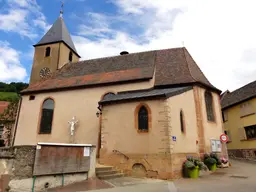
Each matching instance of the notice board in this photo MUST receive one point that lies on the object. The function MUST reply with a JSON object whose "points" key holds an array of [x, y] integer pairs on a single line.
{"points": [[51, 160]]}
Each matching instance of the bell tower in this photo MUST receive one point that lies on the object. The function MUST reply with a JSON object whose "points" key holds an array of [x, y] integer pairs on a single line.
{"points": [[53, 51]]}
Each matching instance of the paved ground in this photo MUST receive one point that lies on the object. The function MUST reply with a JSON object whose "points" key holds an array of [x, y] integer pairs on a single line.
{"points": [[240, 177], [87, 185]]}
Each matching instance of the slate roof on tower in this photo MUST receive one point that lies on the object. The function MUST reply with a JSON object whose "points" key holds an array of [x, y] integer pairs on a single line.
{"points": [[172, 67], [58, 33]]}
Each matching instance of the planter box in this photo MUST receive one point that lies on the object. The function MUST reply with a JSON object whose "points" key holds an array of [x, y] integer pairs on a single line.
{"points": [[193, 173]]}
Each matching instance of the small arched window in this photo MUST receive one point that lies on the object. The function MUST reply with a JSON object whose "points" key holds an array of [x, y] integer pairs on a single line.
{"points": [[182, 122], [70, 57], [47, 51], [209, 106], [143, 119], [47, 116]]}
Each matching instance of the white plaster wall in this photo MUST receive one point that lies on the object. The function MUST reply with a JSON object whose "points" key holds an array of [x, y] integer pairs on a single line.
{"points": [[185, 142]]}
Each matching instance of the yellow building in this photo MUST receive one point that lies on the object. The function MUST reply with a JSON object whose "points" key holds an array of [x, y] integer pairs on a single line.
{"points": [[238, 109]]}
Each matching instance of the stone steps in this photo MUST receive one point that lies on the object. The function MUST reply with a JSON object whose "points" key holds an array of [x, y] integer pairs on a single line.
{"points": [[108, 172]]}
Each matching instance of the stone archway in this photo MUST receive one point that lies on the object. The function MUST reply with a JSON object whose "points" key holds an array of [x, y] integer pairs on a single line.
{"points": [[139, 170]]}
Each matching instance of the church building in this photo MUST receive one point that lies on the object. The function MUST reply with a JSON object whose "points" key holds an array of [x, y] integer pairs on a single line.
{"points": [[149, 109]]}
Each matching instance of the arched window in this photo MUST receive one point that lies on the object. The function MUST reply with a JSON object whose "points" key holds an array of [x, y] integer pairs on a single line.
{"points": [[143, 119], [47, 116], [47, 51], [209, 106], [70, 57], [182, 122]]}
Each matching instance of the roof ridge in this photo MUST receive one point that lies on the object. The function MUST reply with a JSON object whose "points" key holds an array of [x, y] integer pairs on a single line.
{"points": [[243, 86], [183, 48]]}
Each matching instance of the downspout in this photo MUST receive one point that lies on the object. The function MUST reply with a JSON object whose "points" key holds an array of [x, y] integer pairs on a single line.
{"points": [[33, 183], [17, 120]]}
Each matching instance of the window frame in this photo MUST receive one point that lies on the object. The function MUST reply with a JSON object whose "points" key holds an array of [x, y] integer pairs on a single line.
{"points": [[182, 122], [41, 115], [47, 52], [70, 56], [209, 109], [246, 134], [149, 118]]}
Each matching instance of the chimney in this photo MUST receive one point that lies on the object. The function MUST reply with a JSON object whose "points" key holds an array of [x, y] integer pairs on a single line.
{"points": [[124, 53]]}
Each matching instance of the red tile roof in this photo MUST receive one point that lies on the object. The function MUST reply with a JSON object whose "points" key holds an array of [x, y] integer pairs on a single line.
{"points": [[3, 106], [172, 67]]}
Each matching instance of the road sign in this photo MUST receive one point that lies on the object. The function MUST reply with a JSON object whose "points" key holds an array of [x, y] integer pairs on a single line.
{"points": [[224, 138]]}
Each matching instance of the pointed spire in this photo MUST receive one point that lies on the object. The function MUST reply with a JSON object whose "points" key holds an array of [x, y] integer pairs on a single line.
{"points": [[61, 10], [58, 33]]}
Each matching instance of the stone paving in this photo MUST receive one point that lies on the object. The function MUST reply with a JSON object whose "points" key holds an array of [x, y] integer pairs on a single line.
{"points": [[240, 177], [92, 184]]}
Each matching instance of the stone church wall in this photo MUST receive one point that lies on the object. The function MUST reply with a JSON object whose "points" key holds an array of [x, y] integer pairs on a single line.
{"points": [[125, 148]]}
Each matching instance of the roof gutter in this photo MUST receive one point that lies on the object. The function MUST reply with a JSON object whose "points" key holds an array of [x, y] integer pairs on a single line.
{"points": [[58, 89]]}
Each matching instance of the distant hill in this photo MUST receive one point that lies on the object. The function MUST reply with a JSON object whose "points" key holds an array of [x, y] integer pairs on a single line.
{"points": [[9, 92]]}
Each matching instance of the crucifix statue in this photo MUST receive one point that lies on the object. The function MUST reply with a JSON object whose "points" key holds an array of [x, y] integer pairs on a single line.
{"points": [[72, 125]]}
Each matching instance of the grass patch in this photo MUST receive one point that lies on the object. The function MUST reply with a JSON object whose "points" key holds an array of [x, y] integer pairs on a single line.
{"points": [[8, 96]]}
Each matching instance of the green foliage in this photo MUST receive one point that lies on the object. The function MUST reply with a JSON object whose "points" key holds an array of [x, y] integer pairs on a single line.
{"points": [[189, 165], [215, 156], [210, 161], [193, 162], [12, 87], [8, 96]]}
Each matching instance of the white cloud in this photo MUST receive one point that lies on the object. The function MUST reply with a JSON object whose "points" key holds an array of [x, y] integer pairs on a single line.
{"points": [[10, 66], [23, 17], [220, 35]]}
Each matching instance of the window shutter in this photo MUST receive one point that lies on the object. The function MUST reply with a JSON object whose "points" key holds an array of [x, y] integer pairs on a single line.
{"points": [[242, 134], [229, 136]]}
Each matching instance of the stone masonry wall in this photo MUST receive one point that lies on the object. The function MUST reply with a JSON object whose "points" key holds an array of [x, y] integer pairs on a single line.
{"points": [[17, 161], [244, 154]]}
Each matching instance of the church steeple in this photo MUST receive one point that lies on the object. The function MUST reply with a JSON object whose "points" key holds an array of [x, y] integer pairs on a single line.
{"points": [[54, 50], [58, 33]]}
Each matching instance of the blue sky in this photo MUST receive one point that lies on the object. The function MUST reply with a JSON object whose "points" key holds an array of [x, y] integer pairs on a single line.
{"points": [[220, 37]]}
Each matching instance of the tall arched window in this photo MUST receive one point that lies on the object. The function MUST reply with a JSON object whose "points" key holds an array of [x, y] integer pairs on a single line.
{"points": [[209, 105], [47, 116], [182, 123], [143, 119], [70, 57], [47, 51]]}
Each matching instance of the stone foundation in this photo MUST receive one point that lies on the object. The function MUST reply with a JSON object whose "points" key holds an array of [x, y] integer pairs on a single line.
{"points": [[245, 154], [42, 183], [17, 163], [159, 166]]}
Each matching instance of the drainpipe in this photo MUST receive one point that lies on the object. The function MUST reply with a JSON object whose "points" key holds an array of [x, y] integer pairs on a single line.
{"points": [[17, 120], [33, 184]]}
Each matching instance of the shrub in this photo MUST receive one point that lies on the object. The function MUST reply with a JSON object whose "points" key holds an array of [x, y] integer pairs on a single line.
{"points": [[210, 161], [215, 156]]}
